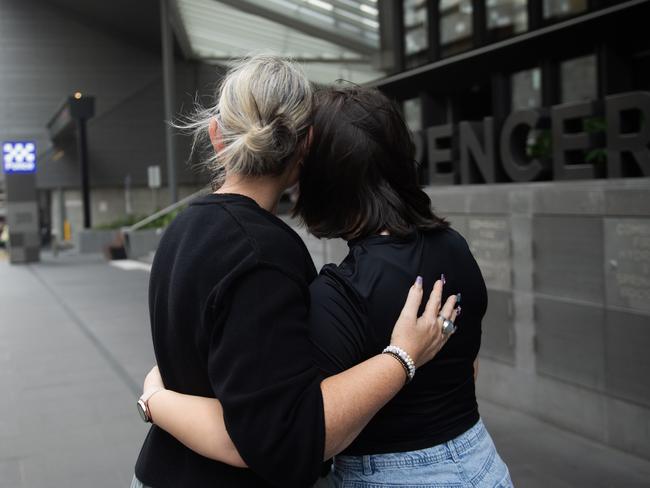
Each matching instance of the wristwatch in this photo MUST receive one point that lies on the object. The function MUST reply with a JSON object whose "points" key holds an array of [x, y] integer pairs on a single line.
{"points": [[143, 404]]}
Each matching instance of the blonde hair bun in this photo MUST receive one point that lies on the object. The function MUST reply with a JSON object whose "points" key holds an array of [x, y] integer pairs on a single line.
{"points": [[276, 140], [263, 112]]}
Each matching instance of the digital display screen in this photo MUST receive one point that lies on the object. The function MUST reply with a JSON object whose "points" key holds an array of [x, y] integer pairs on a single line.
{"points": [[19, 156]]}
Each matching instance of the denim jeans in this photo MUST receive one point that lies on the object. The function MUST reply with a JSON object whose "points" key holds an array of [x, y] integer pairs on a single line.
{"points": [[468, 461], [327, 482], [136, 483]]}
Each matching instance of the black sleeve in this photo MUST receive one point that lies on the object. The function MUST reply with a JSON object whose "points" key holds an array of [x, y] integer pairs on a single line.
{"points": [[262, 371], [337, 324]]}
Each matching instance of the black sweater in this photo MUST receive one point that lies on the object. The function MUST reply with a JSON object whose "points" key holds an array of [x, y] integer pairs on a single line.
{"points": [[229, 303]]}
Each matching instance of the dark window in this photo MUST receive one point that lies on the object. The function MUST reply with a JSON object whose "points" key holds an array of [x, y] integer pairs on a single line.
{"points": [[413, 114], [455, 26], [554, 9], [415, 27], [527, 94], [506, 18], [526, 89], [578, 79]]}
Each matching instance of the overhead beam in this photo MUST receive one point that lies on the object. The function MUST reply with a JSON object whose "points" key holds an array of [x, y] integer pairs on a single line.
{"points": [[303, 60], [310, 28]]}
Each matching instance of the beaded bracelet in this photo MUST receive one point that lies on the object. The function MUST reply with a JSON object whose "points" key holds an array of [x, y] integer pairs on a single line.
{"points": [[402, 356], [402, 364]]}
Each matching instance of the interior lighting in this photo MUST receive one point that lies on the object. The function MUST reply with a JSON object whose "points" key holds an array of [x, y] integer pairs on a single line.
{"points": [[466, 8], [321, 4], [368, 9], [371, 23]]}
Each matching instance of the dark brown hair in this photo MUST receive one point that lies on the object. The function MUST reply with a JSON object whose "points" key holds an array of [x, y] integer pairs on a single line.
{"points": [[360, 176]]}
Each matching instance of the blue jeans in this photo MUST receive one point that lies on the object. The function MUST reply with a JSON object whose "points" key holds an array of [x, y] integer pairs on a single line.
{"points": [[136, 483], [468, 461]]}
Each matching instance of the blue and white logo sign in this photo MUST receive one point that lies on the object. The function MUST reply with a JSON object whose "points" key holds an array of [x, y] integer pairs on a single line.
{"points": [[19, 156]]}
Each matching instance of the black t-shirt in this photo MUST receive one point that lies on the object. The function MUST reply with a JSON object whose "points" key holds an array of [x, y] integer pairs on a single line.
{"points": [[229, 300], [353, 312]]}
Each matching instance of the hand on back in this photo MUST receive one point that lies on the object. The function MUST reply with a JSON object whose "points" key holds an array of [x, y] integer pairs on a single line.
{"points": [[422, 337]]}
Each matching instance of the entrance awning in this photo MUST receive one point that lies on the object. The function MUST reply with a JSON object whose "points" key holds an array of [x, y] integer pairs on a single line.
{"points": [[334, 39]]}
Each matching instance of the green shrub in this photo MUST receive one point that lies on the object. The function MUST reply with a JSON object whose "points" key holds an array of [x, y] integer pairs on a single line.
{"points": [[129, 220]]}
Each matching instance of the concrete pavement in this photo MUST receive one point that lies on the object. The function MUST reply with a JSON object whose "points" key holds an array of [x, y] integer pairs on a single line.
{"points": [[540, 455], [75, 344]]}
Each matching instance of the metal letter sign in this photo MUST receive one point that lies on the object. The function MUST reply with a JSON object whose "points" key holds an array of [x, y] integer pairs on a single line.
{"points": [[19, 157]]}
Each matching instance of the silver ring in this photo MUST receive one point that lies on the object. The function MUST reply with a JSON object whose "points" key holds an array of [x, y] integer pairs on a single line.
{"points": [[448, 326]]}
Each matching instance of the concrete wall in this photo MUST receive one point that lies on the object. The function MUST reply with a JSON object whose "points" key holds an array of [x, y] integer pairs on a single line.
{"points": [[108, 205], [567, 333], [322, 251]]}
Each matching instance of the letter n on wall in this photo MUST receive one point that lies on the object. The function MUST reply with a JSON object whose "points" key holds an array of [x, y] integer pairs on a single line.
{"points": [[477, 163]]}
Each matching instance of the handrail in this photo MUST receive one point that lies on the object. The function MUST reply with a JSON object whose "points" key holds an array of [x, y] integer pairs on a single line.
{"points": [[166, 210]]}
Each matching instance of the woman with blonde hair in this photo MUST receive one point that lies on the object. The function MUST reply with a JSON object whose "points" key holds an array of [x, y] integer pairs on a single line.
{"points": [[229, 308]]}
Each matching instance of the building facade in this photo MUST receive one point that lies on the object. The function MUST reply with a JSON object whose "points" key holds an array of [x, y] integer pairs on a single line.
{"points": [[48, 52], [532, 123], [531, 120]]}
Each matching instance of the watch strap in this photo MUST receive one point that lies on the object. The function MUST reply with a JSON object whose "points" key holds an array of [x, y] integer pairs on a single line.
{"points": [[143, 403], [148, 394]]}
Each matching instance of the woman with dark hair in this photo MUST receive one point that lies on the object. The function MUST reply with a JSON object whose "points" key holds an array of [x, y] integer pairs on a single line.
{"points": [[362, 163], [359, 183]]}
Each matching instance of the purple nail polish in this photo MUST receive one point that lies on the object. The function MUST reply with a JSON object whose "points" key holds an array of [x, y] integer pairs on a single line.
{"points": [[418, 281], [442, 278], [458, 310]]}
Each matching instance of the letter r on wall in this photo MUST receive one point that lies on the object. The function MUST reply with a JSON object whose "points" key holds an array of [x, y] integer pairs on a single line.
{"points": [[621, 140]]}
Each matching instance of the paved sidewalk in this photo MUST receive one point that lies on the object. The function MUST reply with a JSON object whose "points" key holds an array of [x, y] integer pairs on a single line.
{"points": [[74, 345], [540, 455]]}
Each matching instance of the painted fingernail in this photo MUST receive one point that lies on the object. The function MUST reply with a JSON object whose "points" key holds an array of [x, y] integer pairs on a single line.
{"points": [[418, 281], [458, 298], [442, 278], [458, 310]]}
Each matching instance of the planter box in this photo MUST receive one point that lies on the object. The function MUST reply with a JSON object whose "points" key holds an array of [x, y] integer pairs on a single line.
{"points": [[142, 243], [92, 241]]}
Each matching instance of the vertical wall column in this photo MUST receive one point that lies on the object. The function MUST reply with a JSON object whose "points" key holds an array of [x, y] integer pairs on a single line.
{"points": [[22, 218], [61, 213], [433, 21], [521, 203], [167, 43], [479, 23], [82, 152], [391, 32]]}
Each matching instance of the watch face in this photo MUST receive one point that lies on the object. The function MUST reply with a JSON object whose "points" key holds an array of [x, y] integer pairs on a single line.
{"points": [[142, 410]]}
